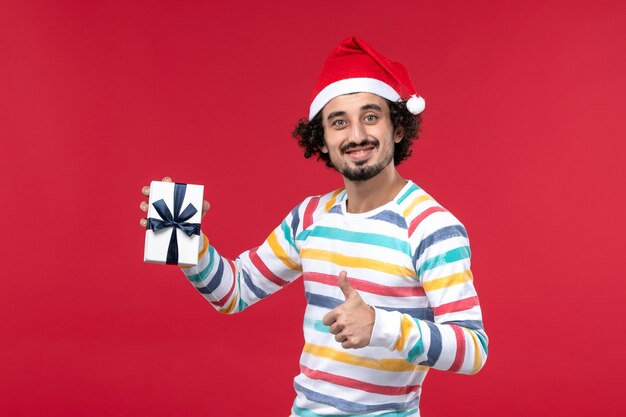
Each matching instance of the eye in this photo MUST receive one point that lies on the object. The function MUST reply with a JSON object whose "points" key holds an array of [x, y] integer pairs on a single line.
{"points": [[371, 118], [338, 123]]}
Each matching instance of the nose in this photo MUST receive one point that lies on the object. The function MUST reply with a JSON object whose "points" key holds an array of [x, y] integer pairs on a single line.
{"points": [[357, 132]]}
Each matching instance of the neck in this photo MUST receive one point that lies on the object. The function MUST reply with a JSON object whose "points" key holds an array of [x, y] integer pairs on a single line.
{"points": [[364, 196]]}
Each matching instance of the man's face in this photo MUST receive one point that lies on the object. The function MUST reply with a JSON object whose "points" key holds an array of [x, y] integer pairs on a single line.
{"points": [[358, 135]]}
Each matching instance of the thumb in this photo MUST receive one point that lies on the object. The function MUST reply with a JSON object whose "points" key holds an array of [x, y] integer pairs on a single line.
{"points": [[345, 286]]}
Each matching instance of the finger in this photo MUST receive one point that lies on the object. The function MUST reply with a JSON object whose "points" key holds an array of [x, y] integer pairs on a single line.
{"points": [[167, 179], [205, 207], [329, 318], [146, 190], [336, 328], [341, 338], [144, 206], [143, 222], [345, 286]]}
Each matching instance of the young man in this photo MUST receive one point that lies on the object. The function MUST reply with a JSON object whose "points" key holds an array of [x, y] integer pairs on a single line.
{"points": [[386, 269]]}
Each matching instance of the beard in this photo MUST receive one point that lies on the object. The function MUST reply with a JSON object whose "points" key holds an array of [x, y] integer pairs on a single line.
{"points": [[363, 172]]}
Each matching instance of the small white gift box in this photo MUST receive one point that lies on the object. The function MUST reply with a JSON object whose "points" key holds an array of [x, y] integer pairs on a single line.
{"points": [[174, 215]]}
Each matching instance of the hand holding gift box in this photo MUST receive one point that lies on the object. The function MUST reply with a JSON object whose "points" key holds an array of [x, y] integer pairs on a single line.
{"points": [[173, 224]]}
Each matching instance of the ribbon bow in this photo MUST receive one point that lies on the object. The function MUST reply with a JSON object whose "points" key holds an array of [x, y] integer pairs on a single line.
{"points": [[175, 221]]}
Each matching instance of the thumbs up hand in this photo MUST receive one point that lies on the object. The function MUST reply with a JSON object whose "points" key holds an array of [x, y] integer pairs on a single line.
{"points": [[353, 321]]}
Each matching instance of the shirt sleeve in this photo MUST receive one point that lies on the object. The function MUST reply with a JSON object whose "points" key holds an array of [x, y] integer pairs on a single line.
{"points": [[455, 339], [233, 285]]}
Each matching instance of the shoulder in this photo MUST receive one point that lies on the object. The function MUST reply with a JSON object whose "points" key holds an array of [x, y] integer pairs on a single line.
{"points": [[425, 216], [313, 208]]}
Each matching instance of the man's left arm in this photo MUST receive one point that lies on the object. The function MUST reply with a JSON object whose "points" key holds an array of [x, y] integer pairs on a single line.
{"points": [[455, 341]]}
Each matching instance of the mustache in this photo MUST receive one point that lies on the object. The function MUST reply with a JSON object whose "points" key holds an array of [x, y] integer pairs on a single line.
{"points": [[366, 142]]}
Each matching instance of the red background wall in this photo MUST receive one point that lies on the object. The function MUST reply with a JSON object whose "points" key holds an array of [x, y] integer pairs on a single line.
{"points": [[523, 140]]}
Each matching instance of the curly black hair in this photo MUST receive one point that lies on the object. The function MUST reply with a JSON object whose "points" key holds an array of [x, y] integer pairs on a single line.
{"points": [[310, 134]]}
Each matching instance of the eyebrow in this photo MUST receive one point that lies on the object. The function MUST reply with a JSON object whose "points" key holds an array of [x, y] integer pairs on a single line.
{"points": [[335, 114], [370, 106]]}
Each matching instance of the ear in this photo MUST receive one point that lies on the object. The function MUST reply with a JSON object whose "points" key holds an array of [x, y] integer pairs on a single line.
{"points": [[324, 148], [398, 135]]}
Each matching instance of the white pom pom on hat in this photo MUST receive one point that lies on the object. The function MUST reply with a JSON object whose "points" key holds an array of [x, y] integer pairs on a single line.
{"points": [[416, 104], [355, 67]]}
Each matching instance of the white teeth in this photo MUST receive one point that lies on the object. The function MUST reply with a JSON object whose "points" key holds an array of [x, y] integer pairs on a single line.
{"points": [[358, 152]]}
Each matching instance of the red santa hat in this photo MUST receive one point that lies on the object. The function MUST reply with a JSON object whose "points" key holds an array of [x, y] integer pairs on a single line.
{"points": [[355, 67]]}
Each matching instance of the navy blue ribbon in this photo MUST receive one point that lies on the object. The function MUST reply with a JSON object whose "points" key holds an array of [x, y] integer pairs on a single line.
{"points": [[176, 221]]}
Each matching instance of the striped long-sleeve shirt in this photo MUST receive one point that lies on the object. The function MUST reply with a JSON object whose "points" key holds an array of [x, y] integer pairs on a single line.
{"points": [[409, 259]]}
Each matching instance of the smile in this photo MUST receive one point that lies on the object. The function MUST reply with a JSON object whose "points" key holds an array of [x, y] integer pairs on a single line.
{"points": [[360, 153]]}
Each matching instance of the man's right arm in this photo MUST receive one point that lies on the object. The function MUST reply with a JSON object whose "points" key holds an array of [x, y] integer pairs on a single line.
{"points": [[232, 285]]}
